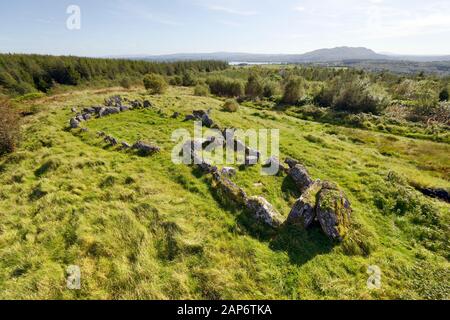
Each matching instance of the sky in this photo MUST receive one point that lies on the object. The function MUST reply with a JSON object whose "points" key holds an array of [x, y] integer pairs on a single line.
{"points": [[144, 27]]}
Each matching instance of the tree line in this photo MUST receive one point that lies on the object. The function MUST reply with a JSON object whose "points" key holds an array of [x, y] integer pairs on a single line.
{"points": [[21, 73]]}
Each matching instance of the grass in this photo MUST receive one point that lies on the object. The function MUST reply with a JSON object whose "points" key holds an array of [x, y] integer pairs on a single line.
{"points": [[145, 228]]}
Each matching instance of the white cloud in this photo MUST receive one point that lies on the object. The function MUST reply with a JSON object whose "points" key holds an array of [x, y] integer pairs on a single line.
{"points": [[232, 11], [299, 9]]}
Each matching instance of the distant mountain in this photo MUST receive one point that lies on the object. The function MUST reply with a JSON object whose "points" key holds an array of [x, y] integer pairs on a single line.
{"points": [[317, 56]]}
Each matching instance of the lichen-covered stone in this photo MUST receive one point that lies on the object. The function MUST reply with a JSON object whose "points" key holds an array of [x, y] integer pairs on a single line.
{"points": [[303, 212], [333, 212], [264, 211], [228, 190]]}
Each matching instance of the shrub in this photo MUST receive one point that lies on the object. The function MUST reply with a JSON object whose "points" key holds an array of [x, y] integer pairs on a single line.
{"points": [[271, 89], [352, 95], [443, 95], [155, 83], [293, 90], [226, 87], [231, 106], [176, 81], [188, 80], [254, 87], [9, 127], [125, 83], [201, 90]]}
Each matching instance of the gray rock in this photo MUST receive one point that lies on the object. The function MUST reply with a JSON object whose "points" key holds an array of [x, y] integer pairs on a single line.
{"points": [[74, 110], [228, 190], [303, 212], [189, 117], [89, 110], [175, 115], [111, 140], [251, 160], [264, 211], [124, 108], [136, 104], [74, 123], [114, 101], [84, 129], [334, 213], [145, 148], [100, 133], [291, 162], [228, 171], [79, 118], [207, 121], [125, 145], [86, 116], [301, 177], [147, 104]]}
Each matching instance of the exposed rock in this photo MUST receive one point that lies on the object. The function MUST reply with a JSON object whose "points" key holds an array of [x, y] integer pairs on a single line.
{"points": [[111, 140], [199, 113], [124, 108], [79, 118], [333, 212], [207, 121], [291, 162], [145, 148], [303, 212], [100, 133], [114, 101], [147, 104], [74, 110], [264, 211], [203, 164], [74, 123], [136, 104], [435, 193], [89, 110], [189, 117], [125, 145], [300, 176], [228, 190], [175, 115], [213, 142], [274, 162], [228, 171], [86, 116], [84, 129]]}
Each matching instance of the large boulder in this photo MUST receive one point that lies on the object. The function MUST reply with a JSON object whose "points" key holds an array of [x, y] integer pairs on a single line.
{"points": [[333, 212], [301, 177], [228, 171], [228, 190], [207, 121], [303, 212], [264, 211]]}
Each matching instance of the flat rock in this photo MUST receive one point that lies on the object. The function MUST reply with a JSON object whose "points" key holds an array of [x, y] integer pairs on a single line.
{"points": [[264, 211]]}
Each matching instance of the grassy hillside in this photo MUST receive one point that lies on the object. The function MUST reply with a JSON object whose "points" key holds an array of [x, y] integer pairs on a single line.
{"points": [[145, 228]]}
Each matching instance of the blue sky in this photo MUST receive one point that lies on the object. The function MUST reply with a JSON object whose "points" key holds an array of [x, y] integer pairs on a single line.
{"points": [[127, 27]]}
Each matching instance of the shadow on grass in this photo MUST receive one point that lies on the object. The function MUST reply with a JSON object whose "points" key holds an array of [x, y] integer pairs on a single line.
{"points": [[301, 245]]}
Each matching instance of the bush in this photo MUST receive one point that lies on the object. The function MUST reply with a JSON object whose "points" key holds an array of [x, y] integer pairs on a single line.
{"points": [[188, 80], [254, 87], [155, 83], [352, 95], [231, 106], [125, 83], [443, 95], [176, 81], [271, 89], [9, 127], [293, 90], [226, 87], [201, 90]]}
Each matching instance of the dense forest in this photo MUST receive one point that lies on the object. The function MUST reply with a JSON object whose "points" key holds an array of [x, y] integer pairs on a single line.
{"points": [[21, 74]]}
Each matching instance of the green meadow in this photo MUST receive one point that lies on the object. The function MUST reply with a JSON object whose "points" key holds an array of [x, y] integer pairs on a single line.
{"points": [[146, 228]]}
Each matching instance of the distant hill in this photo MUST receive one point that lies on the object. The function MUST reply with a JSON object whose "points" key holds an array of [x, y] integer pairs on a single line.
{"points": [[317, 56]]}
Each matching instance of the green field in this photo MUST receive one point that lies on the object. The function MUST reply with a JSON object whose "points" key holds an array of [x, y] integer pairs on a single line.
{"points": [[145, 228]]}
